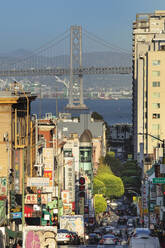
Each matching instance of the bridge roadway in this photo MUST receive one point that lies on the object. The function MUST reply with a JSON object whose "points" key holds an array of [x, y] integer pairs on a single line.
{"points": [[65, 71]]}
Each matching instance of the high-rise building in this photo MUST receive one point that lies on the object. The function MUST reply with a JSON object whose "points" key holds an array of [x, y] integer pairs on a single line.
{"points": [[148, 82]]}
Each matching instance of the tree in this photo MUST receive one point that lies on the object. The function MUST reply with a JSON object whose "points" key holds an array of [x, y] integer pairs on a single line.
{"points": [[115, 164], [100, 204], [114, 185], [103, 168], [98, 187], [97, 116]]}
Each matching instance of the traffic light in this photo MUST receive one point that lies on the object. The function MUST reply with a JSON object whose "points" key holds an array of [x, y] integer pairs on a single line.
{"points": [[12, 199], [39, 197], [81, 187]]}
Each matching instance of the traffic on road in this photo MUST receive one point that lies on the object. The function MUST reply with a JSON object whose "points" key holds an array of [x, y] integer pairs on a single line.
{"points": [[115, 229]]}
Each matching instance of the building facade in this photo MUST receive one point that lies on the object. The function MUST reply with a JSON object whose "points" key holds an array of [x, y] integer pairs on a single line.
{"points": [[148, 82], [16, 141]]}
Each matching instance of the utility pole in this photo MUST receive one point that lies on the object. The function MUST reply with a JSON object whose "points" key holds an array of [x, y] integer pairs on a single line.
{"points": [[149, 198]]}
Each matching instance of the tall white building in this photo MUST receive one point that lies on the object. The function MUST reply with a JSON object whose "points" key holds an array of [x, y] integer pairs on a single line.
{"points": [[148, 82]]}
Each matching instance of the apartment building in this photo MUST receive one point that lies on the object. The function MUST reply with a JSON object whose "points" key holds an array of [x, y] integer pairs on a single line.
{"points": [[148, 82], [16, 137]]}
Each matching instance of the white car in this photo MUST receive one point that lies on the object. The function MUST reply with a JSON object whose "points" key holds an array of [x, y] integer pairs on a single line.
{"points": [[63, 236], [144, 242]]}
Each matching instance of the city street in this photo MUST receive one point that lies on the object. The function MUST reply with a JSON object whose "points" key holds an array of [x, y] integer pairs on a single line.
{"points": [[90, 246]]}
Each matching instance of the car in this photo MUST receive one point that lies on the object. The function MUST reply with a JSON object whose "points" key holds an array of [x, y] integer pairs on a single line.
{"points": [[109, 229], [64, 236], [92, 238], [144, 242], [75, 238], [141, 232], [112, 246], [130, 223], [108, 239]]}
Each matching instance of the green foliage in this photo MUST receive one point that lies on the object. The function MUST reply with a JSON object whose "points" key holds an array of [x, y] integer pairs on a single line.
{"points": [[111, 154], [104, 169], [129, 172], [115, 164], [98, 187], [114, 185], [100, 204], [97, 116]]}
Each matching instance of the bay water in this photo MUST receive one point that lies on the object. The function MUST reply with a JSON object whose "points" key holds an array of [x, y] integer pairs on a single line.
{"points": [[113, 111]]}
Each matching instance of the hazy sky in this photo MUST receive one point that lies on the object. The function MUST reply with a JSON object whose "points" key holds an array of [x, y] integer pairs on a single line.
{"points": [[28, 24]]}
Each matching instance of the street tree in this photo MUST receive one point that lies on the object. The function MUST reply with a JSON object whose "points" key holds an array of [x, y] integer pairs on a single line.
{"points": [[98, 187], [100, 204], [114, 185]]}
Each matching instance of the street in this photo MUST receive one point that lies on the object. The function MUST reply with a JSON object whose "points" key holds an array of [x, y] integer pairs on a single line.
{"points": [[81, 246]]}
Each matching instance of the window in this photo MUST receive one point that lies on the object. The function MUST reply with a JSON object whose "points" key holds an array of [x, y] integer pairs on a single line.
{"points": [[68, 153], [156, 62], [85, 155], [155, 116], [156, 94], [156, 73], [156, 84], [156, 105], [155, 127]]}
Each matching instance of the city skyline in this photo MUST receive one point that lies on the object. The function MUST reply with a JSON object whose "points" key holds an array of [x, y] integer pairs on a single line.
{"points": [[27, 25]]}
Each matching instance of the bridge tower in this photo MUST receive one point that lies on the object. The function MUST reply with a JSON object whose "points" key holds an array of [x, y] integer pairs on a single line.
{"points": [[76, 100]]}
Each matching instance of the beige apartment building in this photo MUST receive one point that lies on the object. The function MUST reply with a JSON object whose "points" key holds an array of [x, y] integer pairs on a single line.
{"points": [[148, 83], [16, 139]]}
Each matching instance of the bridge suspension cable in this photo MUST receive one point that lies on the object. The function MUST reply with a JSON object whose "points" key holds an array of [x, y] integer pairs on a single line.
{"points": [[45, 47], [105, 43]]}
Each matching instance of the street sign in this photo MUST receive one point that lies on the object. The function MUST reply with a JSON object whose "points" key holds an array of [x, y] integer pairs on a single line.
{"points": [[159, 180]]}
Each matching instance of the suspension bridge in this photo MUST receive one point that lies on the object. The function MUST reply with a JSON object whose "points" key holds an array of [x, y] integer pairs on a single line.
{"points": [[43, 62]]}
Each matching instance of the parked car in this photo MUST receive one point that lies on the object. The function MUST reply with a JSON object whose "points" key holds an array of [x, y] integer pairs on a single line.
{"points": [[64, 236]]}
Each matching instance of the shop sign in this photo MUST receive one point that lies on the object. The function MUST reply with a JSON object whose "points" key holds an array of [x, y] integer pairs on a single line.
{"points": [[67, 209], [37, 181], [3, 186], [31, 199], [17, 215], [48, 173], [44, 198], [65, 196]]}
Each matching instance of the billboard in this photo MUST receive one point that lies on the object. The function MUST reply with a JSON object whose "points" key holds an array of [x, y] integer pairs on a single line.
{"points": [[39, 236]]}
